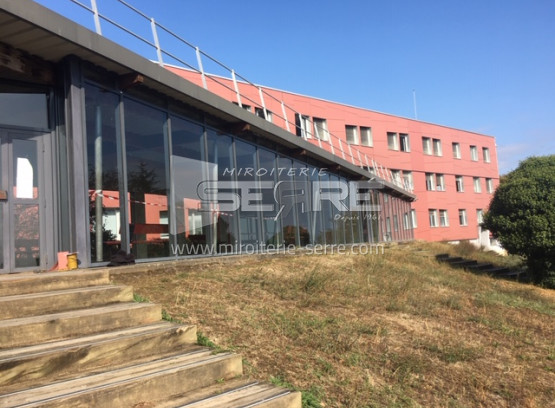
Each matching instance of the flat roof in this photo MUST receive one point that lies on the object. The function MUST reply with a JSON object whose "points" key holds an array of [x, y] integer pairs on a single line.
{"points": [[37, 30]]}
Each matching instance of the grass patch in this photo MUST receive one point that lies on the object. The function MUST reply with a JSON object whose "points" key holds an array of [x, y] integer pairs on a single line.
{"points": [[396, 329]]}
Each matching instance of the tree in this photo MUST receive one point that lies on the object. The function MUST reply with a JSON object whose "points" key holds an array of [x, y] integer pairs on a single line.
{"points": [[522, 216]]}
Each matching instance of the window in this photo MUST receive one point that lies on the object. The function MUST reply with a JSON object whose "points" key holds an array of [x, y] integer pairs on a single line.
{"points": [[366, 136], [485, 154], [396, 176], [480, 215], [443, 218], [463, 221], [477, 185], [473, 153], [432, 214], [302, 125], [430, 182], [406, 221], [404, 141], [245, 107], [489, 185], [437, 147], [395, 222], [264, 115], [459, 183], [427, 145], [440, 182], [408, 180], [392, 141], [321, 129], [351, 131], [456, 150], [413, 218]]}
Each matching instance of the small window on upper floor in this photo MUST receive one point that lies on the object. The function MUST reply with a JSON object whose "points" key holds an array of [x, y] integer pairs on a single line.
{"points": [[463, 221], [264, 114], [427, 145], [432, 215], [321, 129], [408, 180], [440, 182], [404, 142], [303, 126], [485, 154], [366, 136], [456, 150], [489, 185], [477, 185], [459, 183], [480, 215], [392, 141], [473, 153], [351, 132], [437, 147], [443, 218], [430, 184]]}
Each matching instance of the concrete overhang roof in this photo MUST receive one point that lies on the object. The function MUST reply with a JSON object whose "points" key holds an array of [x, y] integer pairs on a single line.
{"points": [[38, 31]]}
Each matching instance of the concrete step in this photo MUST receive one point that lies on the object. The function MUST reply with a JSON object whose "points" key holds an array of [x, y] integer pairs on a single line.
{"points": [[464, 263], [37, 365], [29, 282], [238, 394], [147, 384], [27, 331], [480, 266], [33, 304], [452, 259], [496, 271]]}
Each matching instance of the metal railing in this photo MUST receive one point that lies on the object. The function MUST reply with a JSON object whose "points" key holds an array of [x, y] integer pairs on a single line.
{"points": [[330, 142]]}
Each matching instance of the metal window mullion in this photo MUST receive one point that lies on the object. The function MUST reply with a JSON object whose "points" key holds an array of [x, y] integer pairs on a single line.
{"points": [[124, 191]]}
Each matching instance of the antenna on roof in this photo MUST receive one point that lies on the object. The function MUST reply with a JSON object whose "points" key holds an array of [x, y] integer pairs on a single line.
{"points": [[414, 102]]}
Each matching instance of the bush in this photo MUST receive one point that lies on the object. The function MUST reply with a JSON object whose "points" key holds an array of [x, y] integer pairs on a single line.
{"points": [[522, 216]]}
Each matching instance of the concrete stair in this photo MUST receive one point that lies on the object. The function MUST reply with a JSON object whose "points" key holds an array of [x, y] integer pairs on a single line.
{"points": [[71, 339]]}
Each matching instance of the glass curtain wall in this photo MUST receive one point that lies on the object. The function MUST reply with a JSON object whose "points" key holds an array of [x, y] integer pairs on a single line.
{"points": [[158, 147]]}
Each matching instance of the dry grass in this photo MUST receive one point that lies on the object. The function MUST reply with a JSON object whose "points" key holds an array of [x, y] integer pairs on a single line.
{"points": [[393, 330]]}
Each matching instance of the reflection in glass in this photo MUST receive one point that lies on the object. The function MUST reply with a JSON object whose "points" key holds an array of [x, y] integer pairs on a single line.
{"points": [[303, 205], [246, 168], [318, 232], [27, 238], [146, 146], [267, 173], [220, 154], [24, 109], [285, 199], [102, 126], [192, 221]]}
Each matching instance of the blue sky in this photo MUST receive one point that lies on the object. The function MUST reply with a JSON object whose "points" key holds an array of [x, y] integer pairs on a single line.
{"points": [[481, 65]]}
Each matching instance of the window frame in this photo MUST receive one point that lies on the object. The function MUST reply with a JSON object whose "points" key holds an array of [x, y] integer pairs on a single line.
{"points": [[317, 122], [353, 133], [456, 146], [432, 218], [463, 218]]}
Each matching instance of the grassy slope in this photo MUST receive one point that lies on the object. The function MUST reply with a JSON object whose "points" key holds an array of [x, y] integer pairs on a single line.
{"points": [[397, 329]]}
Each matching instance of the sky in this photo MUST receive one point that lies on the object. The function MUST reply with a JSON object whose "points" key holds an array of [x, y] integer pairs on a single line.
{"points": [[486, 66]]}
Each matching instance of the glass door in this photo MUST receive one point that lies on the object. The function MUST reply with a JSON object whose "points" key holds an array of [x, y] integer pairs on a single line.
{"points": [[21, 200]]}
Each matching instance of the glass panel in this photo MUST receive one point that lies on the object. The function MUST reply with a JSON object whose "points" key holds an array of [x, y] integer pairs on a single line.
{"points": [[327, 214], [25, 169], [192, 220], [267, 173], [27, 239], [318, 232], [246, 168], [288, 212], [220, 153], [145, 140], [24, 109], [302, 193], [102, 124]]}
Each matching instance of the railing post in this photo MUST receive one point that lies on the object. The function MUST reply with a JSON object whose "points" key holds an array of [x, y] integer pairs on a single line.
{"points": [[236, 88], [201, 69], [285, 116], [156, 42], [96, 17], [262, 103]]}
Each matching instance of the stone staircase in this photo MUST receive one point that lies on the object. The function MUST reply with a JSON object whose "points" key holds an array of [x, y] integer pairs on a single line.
{"points": [[71, 339], [482, 267]]}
